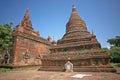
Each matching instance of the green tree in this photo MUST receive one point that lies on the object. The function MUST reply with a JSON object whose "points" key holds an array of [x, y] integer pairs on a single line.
{"points": [[114, 41], [115, 49], [5, 36], [115, 54]]}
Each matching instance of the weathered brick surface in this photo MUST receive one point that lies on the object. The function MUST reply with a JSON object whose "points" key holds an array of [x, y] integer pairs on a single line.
{"points": [[28, 46]]}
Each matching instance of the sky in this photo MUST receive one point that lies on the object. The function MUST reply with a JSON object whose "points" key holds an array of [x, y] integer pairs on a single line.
{"points": [[49, 17]]}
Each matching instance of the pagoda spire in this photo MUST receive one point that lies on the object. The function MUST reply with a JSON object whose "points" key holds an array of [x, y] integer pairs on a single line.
{"points": [[26, 20], [92, 32], [74, 9], [74, 14], [75, 21], [26, 16], [93, 37]]}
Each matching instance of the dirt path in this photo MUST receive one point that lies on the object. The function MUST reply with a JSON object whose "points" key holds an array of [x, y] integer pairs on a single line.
{"points": [[45, 75]]}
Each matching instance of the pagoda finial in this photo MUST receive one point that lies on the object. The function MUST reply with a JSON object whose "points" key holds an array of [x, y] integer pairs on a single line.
{"points": [[92, 32], [26, 16], [53, 42], [49, 39], [26, 20], [74, 8], [93, 36]]}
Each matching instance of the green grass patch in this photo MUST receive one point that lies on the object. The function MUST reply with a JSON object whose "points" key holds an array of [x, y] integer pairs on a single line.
{"points": [[17, 69], [116, 64], [5, 69]]}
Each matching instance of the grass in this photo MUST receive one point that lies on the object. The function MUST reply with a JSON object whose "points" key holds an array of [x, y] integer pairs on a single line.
{"points": [[17, 69], [5, 69], [116, 64]]}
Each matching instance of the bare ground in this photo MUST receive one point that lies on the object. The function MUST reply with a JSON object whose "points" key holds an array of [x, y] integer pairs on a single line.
{"points": [[45, 75]]}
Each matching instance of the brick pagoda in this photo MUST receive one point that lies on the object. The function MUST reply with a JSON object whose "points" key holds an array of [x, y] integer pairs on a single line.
{"points": [[78, 49], [78, 46]]}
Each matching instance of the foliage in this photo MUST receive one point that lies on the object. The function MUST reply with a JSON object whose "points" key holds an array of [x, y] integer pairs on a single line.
{"points": [[115, 49], [114, 41], [105, 49], [115, 54], [5, 36]]}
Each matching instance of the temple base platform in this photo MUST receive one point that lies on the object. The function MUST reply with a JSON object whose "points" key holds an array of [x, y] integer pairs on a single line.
{"points": [[79, 68]]}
